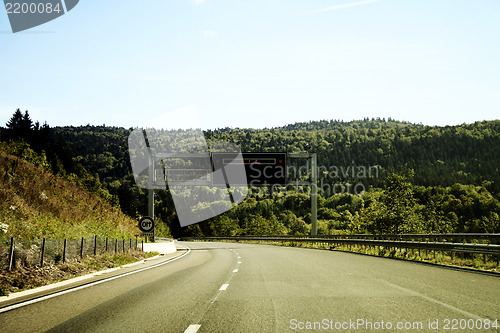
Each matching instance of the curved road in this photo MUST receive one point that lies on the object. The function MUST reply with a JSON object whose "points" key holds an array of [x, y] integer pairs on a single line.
{"points": [[227, 287]]}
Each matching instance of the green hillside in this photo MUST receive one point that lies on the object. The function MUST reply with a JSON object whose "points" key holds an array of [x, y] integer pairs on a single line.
{"points": [[34, 203]]}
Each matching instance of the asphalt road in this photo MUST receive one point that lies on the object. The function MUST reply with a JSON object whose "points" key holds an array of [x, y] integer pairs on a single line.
{"points": [[226, 287]]}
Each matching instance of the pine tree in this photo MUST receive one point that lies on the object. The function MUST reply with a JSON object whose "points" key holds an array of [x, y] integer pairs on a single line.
{"points": [[15, 121], [20, 125]]}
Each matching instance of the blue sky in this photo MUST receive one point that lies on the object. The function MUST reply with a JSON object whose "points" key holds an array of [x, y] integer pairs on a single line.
{"points": [[256, 63]]}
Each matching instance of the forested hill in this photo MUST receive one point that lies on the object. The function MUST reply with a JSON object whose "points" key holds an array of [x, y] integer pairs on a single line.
{"points": [[425, 178], [467, 154]]}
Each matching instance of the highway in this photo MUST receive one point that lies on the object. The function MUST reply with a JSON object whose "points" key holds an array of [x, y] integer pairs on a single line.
{"points": [[232, 287]]}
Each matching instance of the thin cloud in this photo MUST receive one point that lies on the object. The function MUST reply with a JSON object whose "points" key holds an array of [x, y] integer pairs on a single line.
{"points": [[346, 5]]}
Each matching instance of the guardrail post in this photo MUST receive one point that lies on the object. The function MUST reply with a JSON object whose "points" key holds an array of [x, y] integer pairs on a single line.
{"points": [[106, 244], [95, 245], [116, 245], [64, 251], [11, 253], [43, 251]]}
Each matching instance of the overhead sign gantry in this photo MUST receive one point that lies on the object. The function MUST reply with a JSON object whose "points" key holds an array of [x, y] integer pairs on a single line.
{"points": [[262, 169]]}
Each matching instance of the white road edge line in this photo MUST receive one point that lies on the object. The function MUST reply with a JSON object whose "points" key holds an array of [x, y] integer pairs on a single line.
{"points": [[224, 286], [235, 271], [192, 329], [59, 293]]}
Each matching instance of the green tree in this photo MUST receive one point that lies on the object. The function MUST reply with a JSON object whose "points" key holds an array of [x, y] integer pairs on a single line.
{"points": [[395, 210], [20, 125]]}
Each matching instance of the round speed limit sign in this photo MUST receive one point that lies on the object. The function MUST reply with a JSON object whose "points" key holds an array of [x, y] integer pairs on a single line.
{"points": [[146, 224]]}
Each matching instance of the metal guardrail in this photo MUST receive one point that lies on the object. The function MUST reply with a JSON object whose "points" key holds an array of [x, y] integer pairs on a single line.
{"points": [[490, 249], [163, 239], [447, 238]]}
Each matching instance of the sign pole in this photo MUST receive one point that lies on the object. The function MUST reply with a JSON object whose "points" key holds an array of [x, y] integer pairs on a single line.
{"points": [[314, 194], [151, 193]]}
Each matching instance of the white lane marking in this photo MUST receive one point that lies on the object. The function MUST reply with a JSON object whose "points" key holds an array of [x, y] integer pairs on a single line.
{"points": [[43, 298], [239, 262], [239, 257], [192, 329], [224, 286], [235, 271]]}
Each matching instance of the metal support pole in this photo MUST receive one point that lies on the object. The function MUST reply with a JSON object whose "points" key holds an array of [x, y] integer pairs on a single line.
{"points": [[95, 245], [151, 193], [314, 194]]}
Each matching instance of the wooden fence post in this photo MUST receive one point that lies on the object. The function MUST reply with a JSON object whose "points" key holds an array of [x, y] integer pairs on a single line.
{"points": [[81, 250], [64, 251], [43, 252], [11, 253]]}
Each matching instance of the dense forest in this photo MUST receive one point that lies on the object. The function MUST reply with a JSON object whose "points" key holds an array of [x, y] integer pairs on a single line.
{"points": [[375, 175]]}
